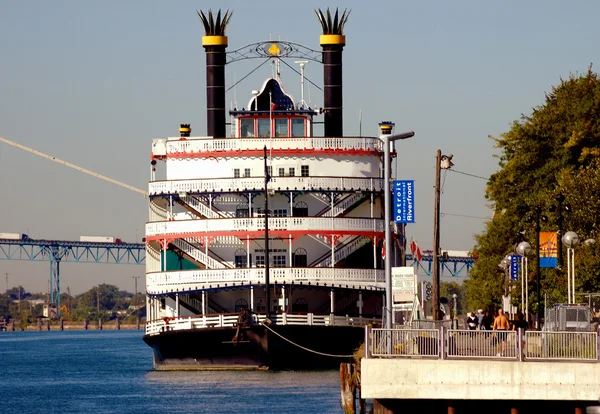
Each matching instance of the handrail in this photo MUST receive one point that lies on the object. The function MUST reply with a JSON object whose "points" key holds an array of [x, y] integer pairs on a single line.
{"points": [[326, 224], [257, 183], [515, 345], [159, 283], [245, 144]]}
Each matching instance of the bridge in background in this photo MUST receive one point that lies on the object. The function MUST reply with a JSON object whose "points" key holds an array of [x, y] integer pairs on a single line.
{"points": [[57, 251]]}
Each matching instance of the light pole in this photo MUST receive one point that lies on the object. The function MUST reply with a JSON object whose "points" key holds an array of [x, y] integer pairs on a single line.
{"points": [[524, 249], [537, 217], [570, 239], [388, 141]]}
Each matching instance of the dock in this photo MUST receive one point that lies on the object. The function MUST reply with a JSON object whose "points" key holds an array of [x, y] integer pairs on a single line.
{"points": [[461, 371]]}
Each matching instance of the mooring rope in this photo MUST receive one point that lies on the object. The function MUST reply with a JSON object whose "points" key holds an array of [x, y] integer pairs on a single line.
{"points": [[306, 349]]}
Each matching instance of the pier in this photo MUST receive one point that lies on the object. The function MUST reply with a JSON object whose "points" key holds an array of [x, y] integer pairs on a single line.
{"points": [[461, 371]]}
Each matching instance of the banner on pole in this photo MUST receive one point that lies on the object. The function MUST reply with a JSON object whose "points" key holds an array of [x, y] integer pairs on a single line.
{"points": [[548, 249], [515, 265], [404, 201]]}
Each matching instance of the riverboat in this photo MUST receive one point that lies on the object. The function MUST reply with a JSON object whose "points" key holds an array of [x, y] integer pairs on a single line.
{"points": [[264, 244]]}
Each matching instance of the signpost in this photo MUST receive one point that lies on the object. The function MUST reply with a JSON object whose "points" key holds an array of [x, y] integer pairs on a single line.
{"points": [[404, 201], [404, 284]]}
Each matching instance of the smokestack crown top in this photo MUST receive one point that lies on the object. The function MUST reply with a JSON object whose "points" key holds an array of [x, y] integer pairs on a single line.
{"points": [[386, 127]]}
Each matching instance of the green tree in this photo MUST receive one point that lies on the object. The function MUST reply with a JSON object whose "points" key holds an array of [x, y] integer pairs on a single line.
{"points": [[553, 150]]}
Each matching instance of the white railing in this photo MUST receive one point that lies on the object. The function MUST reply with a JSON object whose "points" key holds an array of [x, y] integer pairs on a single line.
{"points": [[561, 345], [230, 320], [323, 224], [516, 345], [194, 280], [211, 145], [344, 205], [258, 183], [190, 301], [198, 254], [344, 251]]}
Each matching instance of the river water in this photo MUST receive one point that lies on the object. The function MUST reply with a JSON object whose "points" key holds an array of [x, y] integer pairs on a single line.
{"points": [[111, 372]]}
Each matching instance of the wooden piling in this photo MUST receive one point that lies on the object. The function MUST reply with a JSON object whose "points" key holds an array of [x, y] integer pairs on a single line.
{"points": [[48, 324], [62, 324], [118, 324], [348, 388], [39, 321], [85, 325], [99, 324], [137, 322]]}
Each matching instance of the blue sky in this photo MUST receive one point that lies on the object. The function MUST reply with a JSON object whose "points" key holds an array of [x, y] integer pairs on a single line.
{"points": [[94, 82]]}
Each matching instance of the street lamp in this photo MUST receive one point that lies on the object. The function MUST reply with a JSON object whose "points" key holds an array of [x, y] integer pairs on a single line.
{"points": [[524, 249], [388, 142], [570, 239]]}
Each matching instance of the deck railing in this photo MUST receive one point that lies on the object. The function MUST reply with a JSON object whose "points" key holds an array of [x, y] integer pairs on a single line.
{"points": [[444, 343], [231, 319]]}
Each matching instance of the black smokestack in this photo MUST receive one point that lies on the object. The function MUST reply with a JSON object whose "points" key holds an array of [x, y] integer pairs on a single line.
{"points": [[215, 43], [333, 42]]}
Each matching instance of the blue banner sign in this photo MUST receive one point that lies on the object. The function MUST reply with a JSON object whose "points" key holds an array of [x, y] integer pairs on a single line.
{"points": [[514, 267], [404, 201]]}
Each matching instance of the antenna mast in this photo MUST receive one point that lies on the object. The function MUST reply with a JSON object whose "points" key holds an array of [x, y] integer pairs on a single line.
{"points": [[302, 63]]}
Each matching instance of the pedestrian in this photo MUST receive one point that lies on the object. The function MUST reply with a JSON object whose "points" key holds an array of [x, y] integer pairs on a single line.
{"points": [[501, 326], [480, 316], [472, 321]]}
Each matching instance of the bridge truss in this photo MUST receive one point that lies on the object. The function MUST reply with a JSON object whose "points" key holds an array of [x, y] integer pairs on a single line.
{"points": [[449, 267], [57, 251]]}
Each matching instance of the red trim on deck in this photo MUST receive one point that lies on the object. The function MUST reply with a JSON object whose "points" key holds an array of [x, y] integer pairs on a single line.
{"points": [[260, 152], [260, 234]]}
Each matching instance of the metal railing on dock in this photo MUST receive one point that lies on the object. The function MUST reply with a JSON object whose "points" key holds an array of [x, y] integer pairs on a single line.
{"points": [[516, 345]]}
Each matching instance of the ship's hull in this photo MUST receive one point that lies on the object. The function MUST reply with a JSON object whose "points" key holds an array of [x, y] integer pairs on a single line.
{"points": [[276, 347]]}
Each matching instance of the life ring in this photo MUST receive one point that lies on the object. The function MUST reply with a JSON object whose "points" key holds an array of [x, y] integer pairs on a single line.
{"points": [[166, 319]]}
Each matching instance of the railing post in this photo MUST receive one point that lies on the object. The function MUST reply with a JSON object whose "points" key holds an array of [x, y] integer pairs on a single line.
{"points": [[442, 340], [367, 340], [598, 344], [520, 349]]}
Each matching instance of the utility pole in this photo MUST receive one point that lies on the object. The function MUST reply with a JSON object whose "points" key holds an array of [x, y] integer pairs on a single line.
{"points": [[435, 300], [442, 162], [98, 300], [6, 281]]}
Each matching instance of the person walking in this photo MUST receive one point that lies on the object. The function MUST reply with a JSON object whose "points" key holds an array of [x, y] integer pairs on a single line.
{"points": [[501, 327]]}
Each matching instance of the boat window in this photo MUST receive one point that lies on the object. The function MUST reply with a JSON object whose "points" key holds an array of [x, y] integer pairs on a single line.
{"points": [[300, 305], [280, 212], [246, 127], [281, 127], [242, 210], [247, 172], [279, 261], [241, 304], [300, 209], [236, 173], [264, 127], [260, 261], [298, 127], [304, 171], [292, 172], [299, 258], [240, 259], [282, 172]]}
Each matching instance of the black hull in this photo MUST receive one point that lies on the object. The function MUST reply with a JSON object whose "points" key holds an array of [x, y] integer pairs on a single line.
{"points": [[258, 348]]}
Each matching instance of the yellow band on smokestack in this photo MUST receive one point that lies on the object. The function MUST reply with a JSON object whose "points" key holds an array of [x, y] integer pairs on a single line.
{"points": [[333, 39], [214, 40], [185, 130]]}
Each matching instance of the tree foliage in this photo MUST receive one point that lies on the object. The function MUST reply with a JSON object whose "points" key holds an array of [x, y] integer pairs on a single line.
{"points": [[554, 150]]}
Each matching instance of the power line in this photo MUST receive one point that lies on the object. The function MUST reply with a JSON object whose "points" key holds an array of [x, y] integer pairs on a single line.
{"points": [[465, 215], [470, 175]]}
